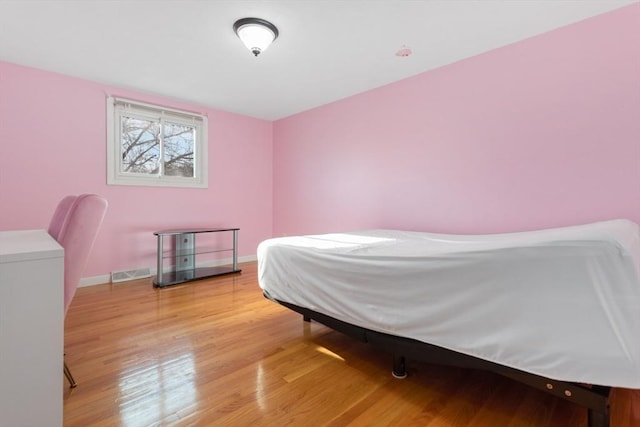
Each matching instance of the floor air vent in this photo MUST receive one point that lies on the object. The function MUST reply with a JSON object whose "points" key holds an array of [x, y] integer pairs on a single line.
{"points": [[123, 276]]}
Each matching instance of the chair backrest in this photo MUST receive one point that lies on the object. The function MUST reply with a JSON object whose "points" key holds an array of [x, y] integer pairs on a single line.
{"points": [[77, 235], [59, 216]]}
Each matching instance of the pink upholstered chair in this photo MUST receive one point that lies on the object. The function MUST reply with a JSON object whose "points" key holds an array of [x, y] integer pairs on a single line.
{"points": [[59, 215], [75, 224]]}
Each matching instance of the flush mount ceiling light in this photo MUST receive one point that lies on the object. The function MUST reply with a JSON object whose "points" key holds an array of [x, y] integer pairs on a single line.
{"points": [[256, 34]]}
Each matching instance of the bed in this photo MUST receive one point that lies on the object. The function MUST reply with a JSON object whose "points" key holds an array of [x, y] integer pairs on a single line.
{"points": [[557, 309]]}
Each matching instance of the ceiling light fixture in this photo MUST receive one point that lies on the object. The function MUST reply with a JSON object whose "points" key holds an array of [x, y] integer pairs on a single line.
{"points": [[256, 34]]}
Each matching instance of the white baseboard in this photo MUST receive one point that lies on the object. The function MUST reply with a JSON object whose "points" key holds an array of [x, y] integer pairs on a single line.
{"points": [[106, 278], [95, 280]]}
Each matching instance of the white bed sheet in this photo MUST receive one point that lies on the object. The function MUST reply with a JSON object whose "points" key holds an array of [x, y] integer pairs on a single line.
{"points": [[562, 303]]}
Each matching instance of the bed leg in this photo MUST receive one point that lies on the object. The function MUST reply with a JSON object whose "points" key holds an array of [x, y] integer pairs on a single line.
{"points": [[399, 368], [597, 419], [306, 318]]}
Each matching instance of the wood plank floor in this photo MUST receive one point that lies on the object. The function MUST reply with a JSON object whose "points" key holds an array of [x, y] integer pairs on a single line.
{"points": [[215, 352]]}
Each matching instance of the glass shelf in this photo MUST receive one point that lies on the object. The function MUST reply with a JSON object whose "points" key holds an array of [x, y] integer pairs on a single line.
{"points": [[185, 253]]}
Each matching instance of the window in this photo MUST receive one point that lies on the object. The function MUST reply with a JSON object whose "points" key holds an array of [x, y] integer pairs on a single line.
{"points": [[152, 145]]}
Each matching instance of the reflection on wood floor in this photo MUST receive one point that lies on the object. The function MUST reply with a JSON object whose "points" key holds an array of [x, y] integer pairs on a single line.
{"points": [[215, 352]]}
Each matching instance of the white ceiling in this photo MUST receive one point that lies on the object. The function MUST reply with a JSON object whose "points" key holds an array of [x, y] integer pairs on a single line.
{"points": [[327, 49]]}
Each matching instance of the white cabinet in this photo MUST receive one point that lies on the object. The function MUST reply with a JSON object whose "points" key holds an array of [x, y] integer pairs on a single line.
{"points": [[31, 329]]}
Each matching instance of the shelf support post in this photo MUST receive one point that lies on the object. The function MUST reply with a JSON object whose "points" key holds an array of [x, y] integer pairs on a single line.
{"points": [[159, 266], [235, 250]]}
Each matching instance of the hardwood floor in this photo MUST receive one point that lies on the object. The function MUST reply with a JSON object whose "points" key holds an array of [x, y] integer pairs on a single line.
{"points": [[215, 352]]}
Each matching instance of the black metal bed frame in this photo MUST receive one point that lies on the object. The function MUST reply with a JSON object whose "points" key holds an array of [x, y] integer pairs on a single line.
{"points": [[594, 398]]}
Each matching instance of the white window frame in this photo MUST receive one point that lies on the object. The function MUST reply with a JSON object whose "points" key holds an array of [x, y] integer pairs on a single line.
{"points": [[117, 107]]}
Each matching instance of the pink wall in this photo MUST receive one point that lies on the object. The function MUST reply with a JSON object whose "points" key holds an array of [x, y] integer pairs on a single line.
{"points": [[53, 143], [545, 132]]}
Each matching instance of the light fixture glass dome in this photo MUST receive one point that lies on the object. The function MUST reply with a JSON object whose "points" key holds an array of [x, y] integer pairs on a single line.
{"points": [[256, 34]]}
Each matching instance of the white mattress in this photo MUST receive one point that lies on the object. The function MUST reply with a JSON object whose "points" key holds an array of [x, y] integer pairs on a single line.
{"points": [[561, 303]]}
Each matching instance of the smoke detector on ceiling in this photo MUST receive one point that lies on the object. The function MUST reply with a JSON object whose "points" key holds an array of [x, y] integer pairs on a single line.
{"points": [[404, 51]]}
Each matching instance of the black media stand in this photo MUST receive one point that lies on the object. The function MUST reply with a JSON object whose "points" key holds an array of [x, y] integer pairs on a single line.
{"points": [[184, 253]]}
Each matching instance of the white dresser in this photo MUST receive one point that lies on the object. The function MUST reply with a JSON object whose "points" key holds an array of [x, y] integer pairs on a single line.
{"points": [[31, 329]]}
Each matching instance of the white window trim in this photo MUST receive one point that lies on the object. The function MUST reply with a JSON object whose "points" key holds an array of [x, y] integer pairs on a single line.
{"points": [[201, 159]]}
